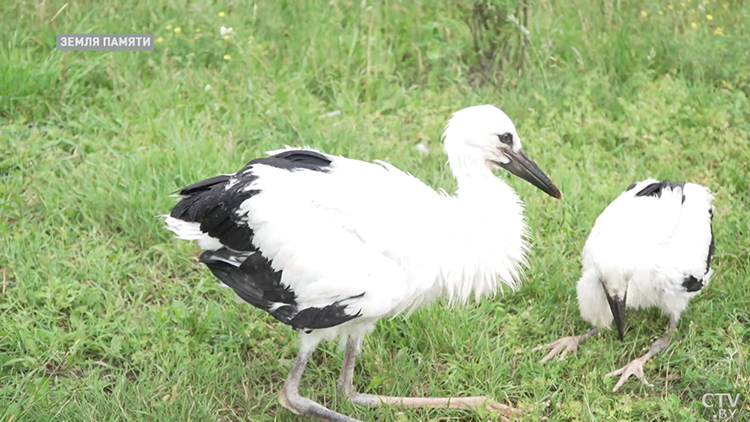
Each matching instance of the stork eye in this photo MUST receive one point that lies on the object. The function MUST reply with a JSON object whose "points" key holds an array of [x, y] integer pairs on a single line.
{"points": [[506, 138]]}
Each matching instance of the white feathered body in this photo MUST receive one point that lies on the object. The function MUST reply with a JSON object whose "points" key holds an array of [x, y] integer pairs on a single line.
{"points": [[648, 242], [369, 236]]}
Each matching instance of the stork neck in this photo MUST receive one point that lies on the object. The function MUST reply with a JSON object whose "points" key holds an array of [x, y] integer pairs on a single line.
{"points": [[487, 230], [488, 198], [476, 181]]}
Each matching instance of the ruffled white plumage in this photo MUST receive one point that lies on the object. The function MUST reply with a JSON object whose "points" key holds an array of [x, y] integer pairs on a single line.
{"points": [[371, 227], [647, 246]]}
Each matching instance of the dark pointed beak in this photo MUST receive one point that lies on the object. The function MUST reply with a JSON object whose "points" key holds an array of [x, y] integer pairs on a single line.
{"points": [[524, 167], [617, 305]]}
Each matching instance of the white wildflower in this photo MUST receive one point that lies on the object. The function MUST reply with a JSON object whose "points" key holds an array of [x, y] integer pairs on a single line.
{"points": [[333, 113], [422, 148]]}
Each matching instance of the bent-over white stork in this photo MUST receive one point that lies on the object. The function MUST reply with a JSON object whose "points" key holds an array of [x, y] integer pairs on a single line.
{"points": [[329, 245], [652, 246]]}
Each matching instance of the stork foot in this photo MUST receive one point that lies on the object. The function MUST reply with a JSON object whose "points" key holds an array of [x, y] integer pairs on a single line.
{"points": [[464, 403], [635, 367], [292, 401], [565, 345]]}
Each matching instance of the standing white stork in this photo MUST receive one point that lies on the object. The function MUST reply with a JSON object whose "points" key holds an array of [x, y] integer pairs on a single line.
{"points": [[330, 245], [652, 246]]}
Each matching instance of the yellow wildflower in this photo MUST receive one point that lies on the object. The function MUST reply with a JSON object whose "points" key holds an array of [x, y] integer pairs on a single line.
{"points": [[718, 31], [693, 25], [226, 37], [168, 27], [644, 13], [661, 13], [177, 30], [159, 40], [197, 30], [670, 7], [222, 14], [227, 57], [709, 17]]}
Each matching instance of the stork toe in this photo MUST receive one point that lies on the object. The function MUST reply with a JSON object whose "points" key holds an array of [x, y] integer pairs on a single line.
{"points": [[563, 346], [634, 368], [503, 410]]}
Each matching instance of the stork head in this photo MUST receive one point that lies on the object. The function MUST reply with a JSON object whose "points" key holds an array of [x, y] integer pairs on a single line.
{"points": [[483, 137]]}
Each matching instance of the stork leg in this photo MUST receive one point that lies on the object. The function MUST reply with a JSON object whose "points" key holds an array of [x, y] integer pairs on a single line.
{"points": [[290, 398], [635, 367], [565, 344], [345, 384], [346, 387]]}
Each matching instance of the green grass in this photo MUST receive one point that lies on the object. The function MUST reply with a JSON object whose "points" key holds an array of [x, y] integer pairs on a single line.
{"points": [[105, 317]]}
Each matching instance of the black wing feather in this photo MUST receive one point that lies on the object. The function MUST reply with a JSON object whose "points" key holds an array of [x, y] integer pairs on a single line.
{"points": [[712, 245], [204, 184], [655, 189], [691, 283], [256, 282]]}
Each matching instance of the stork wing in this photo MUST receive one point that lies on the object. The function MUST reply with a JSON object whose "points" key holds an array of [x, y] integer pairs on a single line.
{"points": [[655, 224], [642, 215], [301, 234], [378, 203], [692, 246]]}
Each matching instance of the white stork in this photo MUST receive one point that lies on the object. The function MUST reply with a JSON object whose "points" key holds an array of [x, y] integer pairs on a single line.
{"points": [[652, 246], [330, 245]]}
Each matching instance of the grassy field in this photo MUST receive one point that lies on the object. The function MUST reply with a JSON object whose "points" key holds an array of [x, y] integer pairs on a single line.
{"points": [[105, 317]]}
